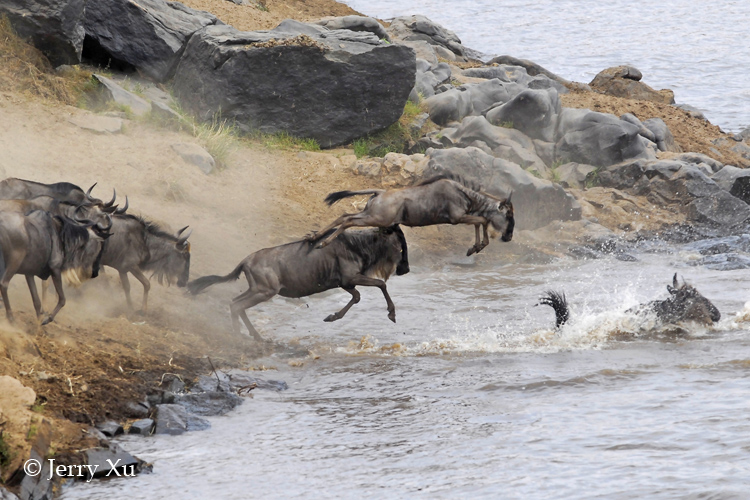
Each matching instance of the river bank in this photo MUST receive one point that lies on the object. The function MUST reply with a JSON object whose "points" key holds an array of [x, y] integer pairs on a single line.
{"points": [[99, 356]]}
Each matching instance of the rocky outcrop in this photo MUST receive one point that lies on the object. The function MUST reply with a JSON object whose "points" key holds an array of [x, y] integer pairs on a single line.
{"points": [[734, 180], [53, 26], [624, 81], [355, 23], [408, 29], [537, 202], [429, 77], [329, 85], [470, 99], [149, 35]]}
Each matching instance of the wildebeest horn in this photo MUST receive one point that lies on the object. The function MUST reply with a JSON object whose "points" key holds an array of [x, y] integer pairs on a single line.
{"points": [[88, 193], [124, 209], [674, 281], [184, 237], [181, 231], [114, 197], [509, 197]]}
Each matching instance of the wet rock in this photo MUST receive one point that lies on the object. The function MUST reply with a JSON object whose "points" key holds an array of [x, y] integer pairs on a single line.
{"points": [[723, 262], [159, 397], [716, 246], [96, 123], [503, 72], [172, 383], [142, 427], [537, 202], [219, 381], [469, 99], [296, 92], [240, 379], [195, 155], [209, 403], [700, 159], [533, 112], [664, 138], [112, 461], [735, 180], [599, 139], [355, 23], [429, 77], [55, 27], [110, 428], [137, 410], [7, 495], [420, 28], [174, 419], [532, 68], [624, 81], [115, 93], [149, 35], [37, 487]]}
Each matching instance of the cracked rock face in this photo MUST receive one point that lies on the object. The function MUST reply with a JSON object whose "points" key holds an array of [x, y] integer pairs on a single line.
{"points": [[312, 82]]}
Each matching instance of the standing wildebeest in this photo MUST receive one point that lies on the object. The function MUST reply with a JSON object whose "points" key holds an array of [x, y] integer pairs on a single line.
{"points": [[86, 213], [685, 303], [137, 245], [298, 270], [439, 200], [20, 189], [43, 245]]}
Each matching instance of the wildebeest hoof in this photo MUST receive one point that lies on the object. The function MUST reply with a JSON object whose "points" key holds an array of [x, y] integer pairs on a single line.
{"points": [[392, 316], [331, 317], [47, 320], [472, 251]]}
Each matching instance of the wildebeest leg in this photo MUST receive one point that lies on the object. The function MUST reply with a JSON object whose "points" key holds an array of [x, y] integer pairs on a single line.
{"points": [[365, 281], [126, 287], [319, 234], [146, 286], [475, 248], [486, 238], [246, 300], [341, 313], [4, 293], [57, 281], [34, 294], [356, 220]]}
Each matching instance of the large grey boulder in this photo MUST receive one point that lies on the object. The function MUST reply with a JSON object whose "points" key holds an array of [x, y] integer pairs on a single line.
{"points": [[624, 81], [355, 23], [536, 202], [598, 139], [532, 68], [664, 138], [420, 28], [149, 35], [430, 76], [533, 112], [55, 27], [734, 180], [329, 85]]}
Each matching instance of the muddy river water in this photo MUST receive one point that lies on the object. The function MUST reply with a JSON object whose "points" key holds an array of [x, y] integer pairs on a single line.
{"points": [[473, 395]]}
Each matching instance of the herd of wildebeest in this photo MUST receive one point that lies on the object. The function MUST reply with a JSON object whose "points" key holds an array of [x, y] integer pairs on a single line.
{"points": [[59, 230]]}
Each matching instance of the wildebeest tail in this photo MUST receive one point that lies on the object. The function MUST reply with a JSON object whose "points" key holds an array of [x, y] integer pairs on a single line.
{"points": [[340, 195], [559, 303], [198, 285]]}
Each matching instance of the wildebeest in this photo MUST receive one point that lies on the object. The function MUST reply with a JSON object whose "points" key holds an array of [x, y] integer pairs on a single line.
{"points": [[138, 246], [43, 245], [685, 303], [86, 213], [366, 258], [440, 200], [21, 189]]}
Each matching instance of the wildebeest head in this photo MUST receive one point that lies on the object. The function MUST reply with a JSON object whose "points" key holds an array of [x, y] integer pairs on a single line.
{"points": [[82, 247], [687, 303], [503, 220], [172, 259], [95, 216], [400, 247]]}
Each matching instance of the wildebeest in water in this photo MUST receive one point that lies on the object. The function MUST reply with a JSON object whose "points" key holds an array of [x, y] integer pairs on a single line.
{"points": [[685, 303], [366, 258], [138, 246], [443, 199], [40, 244]]}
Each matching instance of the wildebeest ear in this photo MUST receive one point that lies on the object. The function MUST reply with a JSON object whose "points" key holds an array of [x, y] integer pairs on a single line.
{"points": [[674, 281], [671, 290]]}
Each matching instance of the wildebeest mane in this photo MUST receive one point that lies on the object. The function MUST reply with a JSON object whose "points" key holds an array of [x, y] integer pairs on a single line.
{"points": [[151, 227], [60, 188], [368, 245], [72, 235]]}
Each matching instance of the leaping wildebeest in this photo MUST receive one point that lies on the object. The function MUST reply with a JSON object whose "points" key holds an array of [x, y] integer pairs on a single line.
{"points": [[137, 246], [440, 200], [685, 303], [21, 189], [366, 258], [43, 245]]}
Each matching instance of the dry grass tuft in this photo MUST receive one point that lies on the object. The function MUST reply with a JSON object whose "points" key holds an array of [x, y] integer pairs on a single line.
{"points": [[25, 69]]}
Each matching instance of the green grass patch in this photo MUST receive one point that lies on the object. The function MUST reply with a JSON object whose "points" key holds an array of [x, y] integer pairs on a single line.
{"points": [[285, 140], [592, 179], [6, 455], [394, 139]]}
